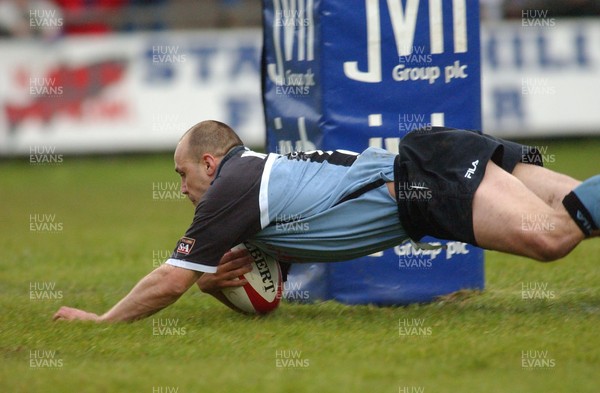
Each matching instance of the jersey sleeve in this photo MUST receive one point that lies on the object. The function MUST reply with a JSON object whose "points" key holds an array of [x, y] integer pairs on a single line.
{"points": [[228, 214]]}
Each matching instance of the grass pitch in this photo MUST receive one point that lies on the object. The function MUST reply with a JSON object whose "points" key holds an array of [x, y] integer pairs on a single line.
{"points": [[82, 232]]}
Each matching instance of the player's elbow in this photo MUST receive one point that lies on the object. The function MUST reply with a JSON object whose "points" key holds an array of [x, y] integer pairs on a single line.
{"points": [[175, 289], [178, 285], [176, 281]]}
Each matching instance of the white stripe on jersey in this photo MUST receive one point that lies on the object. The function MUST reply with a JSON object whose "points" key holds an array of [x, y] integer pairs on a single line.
{"points": [[350, 153], [250, 153], [330, 152], [191, 265], [263, 198]]}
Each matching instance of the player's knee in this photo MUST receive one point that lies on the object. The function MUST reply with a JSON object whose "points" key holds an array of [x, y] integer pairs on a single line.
{"points": [[547, 247]]}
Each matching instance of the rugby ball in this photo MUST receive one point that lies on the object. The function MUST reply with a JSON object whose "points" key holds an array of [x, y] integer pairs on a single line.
{"points": [[263, 291]]}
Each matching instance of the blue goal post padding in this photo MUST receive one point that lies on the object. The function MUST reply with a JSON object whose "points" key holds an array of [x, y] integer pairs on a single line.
{"points": [[341, 74]]}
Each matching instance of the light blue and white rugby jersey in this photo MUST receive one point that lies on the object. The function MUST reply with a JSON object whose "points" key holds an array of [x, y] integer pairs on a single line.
{"points": [[301, 207], [309, 211]]}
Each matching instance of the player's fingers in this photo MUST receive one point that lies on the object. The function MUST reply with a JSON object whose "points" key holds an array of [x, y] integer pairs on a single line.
{"points": [[231, 275], [226, 258], [240, 271], [61, 314], [233, 283], [238, 263], [244, 263], [72, 314], [235, 254]]}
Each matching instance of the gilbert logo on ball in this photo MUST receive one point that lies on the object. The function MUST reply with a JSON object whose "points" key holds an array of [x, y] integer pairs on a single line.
{"points": [[263, 291]]}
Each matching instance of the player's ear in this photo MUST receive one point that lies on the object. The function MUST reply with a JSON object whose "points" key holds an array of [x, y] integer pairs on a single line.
{"points": [[209, 164]]}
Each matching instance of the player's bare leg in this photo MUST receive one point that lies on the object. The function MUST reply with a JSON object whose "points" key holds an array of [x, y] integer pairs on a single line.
{"points": [[510, 217], [550, 186]]}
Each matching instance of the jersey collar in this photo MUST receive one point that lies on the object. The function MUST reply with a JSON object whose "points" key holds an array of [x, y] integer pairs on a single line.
{"points": [[232, 152]]}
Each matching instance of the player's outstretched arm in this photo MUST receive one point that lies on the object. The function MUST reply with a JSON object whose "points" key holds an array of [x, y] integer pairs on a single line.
{"points": [[159, 289]]}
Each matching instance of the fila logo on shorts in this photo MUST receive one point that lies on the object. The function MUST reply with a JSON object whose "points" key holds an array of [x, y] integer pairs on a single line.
{"points": [[471, 171]]}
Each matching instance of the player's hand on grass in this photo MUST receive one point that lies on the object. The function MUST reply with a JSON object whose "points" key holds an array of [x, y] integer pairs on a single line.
{"points": [[233, 264], [74, 314]]}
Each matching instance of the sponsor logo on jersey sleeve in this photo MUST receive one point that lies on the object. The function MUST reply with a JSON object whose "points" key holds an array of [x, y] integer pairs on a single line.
{"points": [[185, 245]]}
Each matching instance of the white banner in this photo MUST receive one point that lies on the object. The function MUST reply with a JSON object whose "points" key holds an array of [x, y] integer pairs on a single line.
{"points": [[127, 92], [541, 77]]}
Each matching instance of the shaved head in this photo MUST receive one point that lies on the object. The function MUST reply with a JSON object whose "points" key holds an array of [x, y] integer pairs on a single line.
{"points": [[211, 137]]}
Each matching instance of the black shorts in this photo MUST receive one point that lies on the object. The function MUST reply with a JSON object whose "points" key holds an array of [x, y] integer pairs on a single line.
{"points": [[437, 172]]}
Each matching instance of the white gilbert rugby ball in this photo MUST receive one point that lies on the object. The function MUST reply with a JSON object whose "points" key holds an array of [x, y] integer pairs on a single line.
{"points": [[263, 291]]}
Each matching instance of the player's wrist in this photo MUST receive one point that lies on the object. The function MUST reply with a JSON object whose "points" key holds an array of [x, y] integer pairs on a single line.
{"points": [[102, 318]]}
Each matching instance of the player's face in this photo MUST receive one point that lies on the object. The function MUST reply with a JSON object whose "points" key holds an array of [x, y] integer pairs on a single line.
{"points": [[194, 176]]}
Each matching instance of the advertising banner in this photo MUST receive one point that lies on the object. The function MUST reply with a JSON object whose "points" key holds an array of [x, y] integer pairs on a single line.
{"points": [[139, 92], [541, 77], [127, 92]]}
